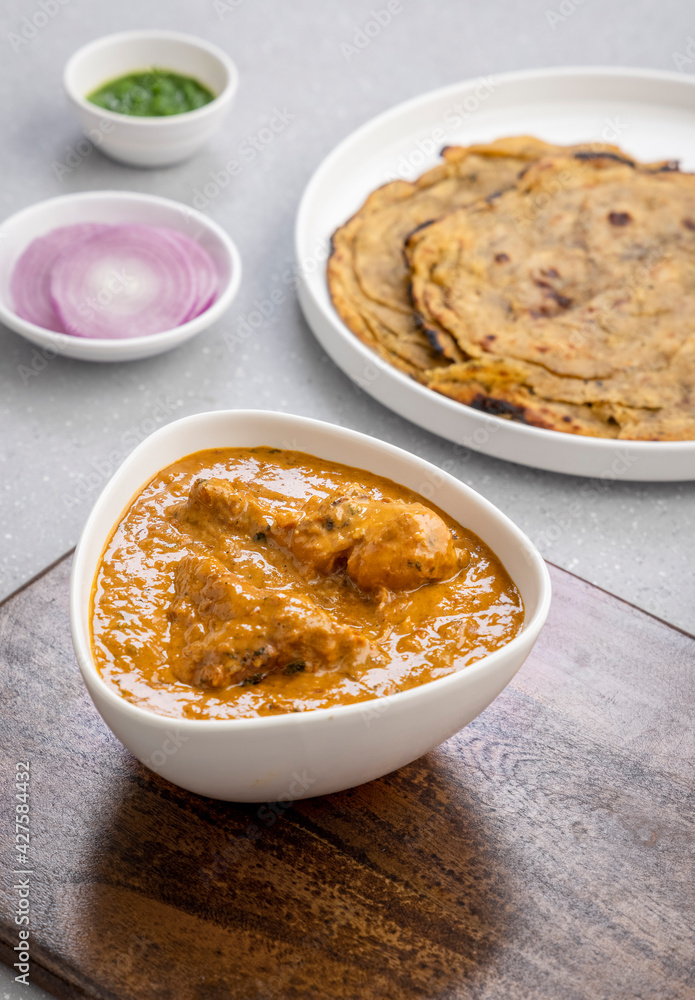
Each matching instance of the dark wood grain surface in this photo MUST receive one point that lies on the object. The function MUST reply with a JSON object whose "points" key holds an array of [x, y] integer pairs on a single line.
{"points": [[544, 852]]}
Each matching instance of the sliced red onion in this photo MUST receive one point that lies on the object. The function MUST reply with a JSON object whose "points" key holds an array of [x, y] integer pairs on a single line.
{"points": [[206, 273], [127, 281], [31, 277]]}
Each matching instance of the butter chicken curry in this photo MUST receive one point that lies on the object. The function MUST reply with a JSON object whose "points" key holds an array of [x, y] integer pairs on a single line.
{"points": [[244, 582]]}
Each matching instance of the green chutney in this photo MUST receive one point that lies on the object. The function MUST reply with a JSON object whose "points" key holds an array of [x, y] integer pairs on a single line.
{"points": [[151, 93]]}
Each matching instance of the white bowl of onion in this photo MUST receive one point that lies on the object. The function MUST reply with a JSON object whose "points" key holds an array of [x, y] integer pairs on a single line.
{"points": [[113, 275]]}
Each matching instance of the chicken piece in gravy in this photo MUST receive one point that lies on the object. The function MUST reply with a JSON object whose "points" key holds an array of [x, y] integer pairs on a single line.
{"points": [[226, 631], [244, 582], [383, 543], [390, 544]]}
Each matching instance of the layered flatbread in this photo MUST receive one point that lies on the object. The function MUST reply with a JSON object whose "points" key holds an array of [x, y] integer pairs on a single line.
{"points": [[570, 297], [368, 277]]}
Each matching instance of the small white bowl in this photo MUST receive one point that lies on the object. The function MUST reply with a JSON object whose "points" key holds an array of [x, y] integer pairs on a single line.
{"points": [[114, 207], [150, 141], [311, 753]]}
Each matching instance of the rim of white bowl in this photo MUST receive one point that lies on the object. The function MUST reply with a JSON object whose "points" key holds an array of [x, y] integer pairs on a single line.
{"points": [[85, 657], [111, 345], [153, 121]]}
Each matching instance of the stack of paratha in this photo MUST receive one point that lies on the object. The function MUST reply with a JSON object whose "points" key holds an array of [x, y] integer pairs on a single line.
{"points": [[551, 285]]}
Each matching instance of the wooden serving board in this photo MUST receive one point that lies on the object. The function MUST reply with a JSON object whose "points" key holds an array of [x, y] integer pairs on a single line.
{"points": [[544, 852]]}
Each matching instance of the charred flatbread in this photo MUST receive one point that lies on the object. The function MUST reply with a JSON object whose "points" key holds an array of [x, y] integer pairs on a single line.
{"points": [[368, 276], [571, 298]]}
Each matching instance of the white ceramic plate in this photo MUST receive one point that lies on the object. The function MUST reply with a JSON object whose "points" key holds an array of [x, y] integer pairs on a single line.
{"points": [[650, 114], [17, 232]]}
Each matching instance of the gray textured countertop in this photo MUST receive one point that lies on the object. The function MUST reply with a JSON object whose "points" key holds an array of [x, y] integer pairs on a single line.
{"points": [[65, 426]]}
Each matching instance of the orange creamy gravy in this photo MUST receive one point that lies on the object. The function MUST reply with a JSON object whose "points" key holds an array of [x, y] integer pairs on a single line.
{"points": [[424, 634]]}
